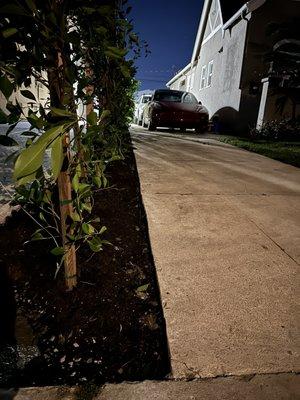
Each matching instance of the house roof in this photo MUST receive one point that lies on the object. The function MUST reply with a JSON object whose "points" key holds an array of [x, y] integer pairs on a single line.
{"points": [[229, 8]]}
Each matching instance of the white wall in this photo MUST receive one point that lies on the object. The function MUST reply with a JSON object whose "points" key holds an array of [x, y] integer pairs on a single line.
{"points": [[227, 55], [40, 92]]}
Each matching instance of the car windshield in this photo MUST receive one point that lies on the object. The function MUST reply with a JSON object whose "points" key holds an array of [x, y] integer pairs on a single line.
{"points": [[168, 96], [190, 98]]}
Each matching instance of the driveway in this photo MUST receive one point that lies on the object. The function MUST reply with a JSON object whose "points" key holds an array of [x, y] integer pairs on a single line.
{"points": [[225, 232]]}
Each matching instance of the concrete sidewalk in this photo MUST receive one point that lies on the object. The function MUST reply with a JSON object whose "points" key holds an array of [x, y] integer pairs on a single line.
{"points": [[267, 387], [225, 234]]}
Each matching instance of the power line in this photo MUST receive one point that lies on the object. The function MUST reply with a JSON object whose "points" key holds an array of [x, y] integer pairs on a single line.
{"points": [[153, 80]]}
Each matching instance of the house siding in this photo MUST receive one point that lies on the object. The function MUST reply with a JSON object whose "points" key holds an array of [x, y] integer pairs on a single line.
{"points": [[226, 50], [224, 95], [227, 56], [39, 91]]}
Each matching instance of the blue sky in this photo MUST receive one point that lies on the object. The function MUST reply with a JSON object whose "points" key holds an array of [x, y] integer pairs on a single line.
{"points": [[169, 27]]}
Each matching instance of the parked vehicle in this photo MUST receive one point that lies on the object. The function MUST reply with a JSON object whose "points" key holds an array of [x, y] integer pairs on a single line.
{"points": [[175, 109], [139, 108]]}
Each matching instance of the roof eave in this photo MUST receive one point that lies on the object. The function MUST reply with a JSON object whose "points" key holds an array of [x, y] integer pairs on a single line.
{"points": [[180, 73], [250, 6], [200, 32]]}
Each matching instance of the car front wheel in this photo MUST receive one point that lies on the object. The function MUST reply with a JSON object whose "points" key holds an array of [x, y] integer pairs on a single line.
{"points": [[144, 122], [200, 129], [151, 126]]}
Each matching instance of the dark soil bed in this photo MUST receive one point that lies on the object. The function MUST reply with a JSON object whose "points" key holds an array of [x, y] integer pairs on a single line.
{"points": [[105, 330]]}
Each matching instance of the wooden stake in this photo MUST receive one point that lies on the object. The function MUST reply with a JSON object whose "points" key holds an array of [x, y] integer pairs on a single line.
{"points": [[66, 207], [89, 91]]}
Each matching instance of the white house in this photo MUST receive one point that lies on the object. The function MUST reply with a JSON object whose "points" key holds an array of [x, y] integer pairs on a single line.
{"points": [[228, 60], [39, 91]]}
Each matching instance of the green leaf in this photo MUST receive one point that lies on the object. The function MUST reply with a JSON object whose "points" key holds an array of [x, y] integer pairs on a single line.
{"points": [[58, 251], [105, 181], [12, 157], [12, 9], [42, 111], [75, 182], [27, 179], [42, 217], [3, 117], [125, 71], [143, 288], [62, 113], [105, 10], [115, 52], [31, 158], [13, 118], [7, 141], [87, 207], [83, 188], [11, 128], [104, 115], [31, 5], [57, 157], [92, 118], [35, 121], [101, 30], [97, 181], [6, 86], [133, 37], [29, 142], [106, 242], [9, 32], [47, 196], [14, 108], [88, 10], [95, 244], [37, 236], [102, 230], [88, 228], [75, 217], [28, 94]]}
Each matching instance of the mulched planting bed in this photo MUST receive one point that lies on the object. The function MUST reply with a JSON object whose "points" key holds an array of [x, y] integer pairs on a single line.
{"points": [[111, 327]]}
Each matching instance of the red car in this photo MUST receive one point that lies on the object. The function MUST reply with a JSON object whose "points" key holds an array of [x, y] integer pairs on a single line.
{"points": [[175, 109]]}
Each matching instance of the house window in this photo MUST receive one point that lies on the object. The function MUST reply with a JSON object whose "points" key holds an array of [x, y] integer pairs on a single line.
{"points": [[203, 77], [209, 73]]}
